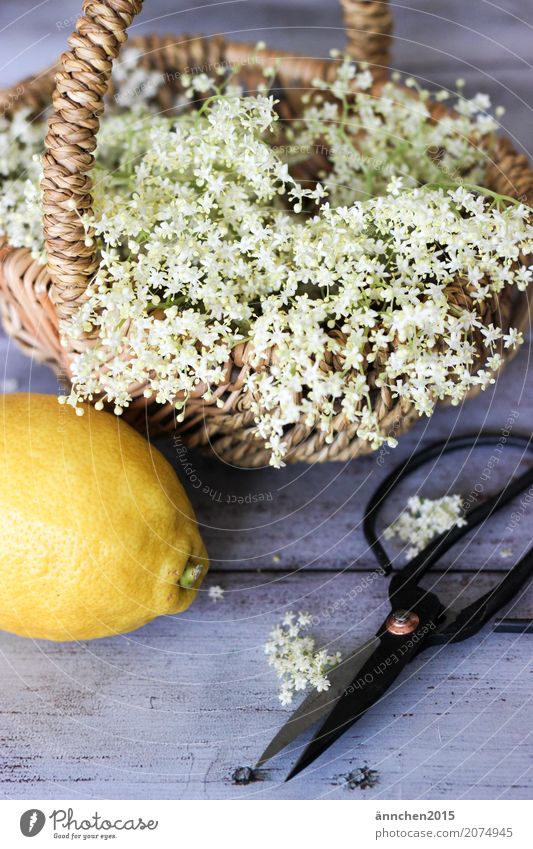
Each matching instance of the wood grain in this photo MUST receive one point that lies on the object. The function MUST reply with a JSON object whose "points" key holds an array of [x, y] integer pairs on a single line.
{"points": [[171, 710]]}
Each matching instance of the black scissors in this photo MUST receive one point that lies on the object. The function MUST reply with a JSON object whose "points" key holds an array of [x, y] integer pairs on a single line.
{"points": [[417, 619]]}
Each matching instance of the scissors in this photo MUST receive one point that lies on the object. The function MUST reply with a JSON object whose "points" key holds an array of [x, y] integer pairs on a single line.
{"points": [[417, 620]]}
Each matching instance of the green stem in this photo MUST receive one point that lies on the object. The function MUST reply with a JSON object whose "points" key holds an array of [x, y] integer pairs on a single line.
{"points": [[481, 190], [190, 576]]}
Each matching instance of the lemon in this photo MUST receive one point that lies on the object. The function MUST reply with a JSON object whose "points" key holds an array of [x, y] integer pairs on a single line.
{"points": [[97, 536]]}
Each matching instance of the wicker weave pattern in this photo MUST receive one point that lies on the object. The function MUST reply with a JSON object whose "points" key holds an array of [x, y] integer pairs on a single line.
{"points": [[81, 84], [35, 298], [368, 31]]}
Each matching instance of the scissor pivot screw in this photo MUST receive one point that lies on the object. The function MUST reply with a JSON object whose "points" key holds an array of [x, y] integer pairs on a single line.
{"points": [[402, 622]]}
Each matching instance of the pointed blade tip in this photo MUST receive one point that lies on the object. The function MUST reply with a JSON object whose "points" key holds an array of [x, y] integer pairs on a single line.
{"points": [[270, 752], [291, 774], [301, 764]]}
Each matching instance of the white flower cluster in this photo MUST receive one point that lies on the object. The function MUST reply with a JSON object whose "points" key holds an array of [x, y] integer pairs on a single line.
{"points": [[21, 142], [425, 518], [206, 240], [369, 139], [295, 658], [365, 284], [133, 83]]}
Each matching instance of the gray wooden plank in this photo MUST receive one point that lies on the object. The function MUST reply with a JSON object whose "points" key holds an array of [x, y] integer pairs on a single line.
{"points": [[480, 36], [171, 710]]}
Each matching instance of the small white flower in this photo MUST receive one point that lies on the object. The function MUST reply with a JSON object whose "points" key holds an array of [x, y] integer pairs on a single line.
{"points": [[10, 384], [216, 593], [395, 186], [491, 334], [513, 338]]}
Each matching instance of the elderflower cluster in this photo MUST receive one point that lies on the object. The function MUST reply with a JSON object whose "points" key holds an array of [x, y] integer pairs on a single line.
{"points": [[22, 145], [133, 83], [295, 658], [425, 518], [20, 174], [206, 240], [370, 139], [367, 284]]}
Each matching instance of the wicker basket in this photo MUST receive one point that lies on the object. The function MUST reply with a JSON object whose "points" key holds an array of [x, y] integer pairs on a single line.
{"points": [[34, 298]]}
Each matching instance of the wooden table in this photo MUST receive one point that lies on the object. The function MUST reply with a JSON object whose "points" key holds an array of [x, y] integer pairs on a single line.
{"points": [[173, 709]]}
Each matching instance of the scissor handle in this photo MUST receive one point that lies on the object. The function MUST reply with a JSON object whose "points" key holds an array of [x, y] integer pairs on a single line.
{"points": [[481, 610]]}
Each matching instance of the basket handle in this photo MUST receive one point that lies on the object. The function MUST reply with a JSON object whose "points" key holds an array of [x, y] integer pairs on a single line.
{"points": [[81, 83], [368, 31]]}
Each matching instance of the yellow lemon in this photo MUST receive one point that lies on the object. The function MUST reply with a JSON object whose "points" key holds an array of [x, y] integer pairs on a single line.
{"points": [[97, 535]]}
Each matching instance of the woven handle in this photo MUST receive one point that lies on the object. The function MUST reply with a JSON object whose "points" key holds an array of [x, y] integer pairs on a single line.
{"points": [[368, 30], [81, 84]]}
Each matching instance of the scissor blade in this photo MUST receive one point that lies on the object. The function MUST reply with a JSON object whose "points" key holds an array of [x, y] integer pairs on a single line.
{"points": [[316, 705], [359, 695], [374, 679]]}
